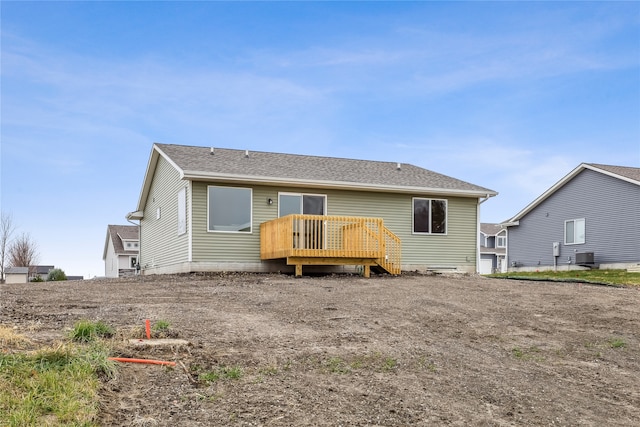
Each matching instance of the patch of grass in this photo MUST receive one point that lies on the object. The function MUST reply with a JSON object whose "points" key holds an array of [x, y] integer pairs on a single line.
{"points": [[160, 326], [336, 365], [617, 343], [389, 364], [269, 370], [87, 331], [205, 397], [609, 277], [210, 376], [221, 373], [54, 386], [372, 361], [531, 353], [232, 373], [425, 364]]}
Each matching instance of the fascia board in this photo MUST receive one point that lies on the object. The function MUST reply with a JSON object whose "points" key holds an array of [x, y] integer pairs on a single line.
{"points": [[156, 152], [339, 185], [134, 216], [106, 245], [544, 196], [611, 174], [509, 223]]}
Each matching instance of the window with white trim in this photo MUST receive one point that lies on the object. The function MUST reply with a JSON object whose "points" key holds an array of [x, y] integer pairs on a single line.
{"points": [[574, 231], [182, 211], [130, 245], [229, 209], [429, 216], [501, 241]]}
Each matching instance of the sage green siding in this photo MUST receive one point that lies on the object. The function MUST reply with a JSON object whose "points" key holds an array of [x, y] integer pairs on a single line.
{"points": [[419, 251], [456, 249], [224, 247], [160, 244]]}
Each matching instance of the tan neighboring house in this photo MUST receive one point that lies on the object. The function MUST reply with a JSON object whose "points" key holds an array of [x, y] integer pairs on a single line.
{"points": [[121, 248], [16, 275], [215, 209]]}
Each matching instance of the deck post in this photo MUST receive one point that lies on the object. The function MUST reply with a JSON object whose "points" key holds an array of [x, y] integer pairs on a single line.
{"points": [[298, 270], [367, 271]]}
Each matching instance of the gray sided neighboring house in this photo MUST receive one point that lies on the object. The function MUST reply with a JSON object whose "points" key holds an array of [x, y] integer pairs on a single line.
{"points": [[201, 209], [594, 211]]}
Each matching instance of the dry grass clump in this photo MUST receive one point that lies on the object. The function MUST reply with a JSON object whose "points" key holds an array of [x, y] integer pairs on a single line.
{"points": [[11, 340]]}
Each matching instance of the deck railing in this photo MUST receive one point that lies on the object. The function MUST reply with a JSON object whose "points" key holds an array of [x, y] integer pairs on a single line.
{"points": [[320, 236]]}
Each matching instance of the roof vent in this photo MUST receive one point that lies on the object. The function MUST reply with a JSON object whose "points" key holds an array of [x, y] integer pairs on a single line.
{"points": [[246, 153], [212, 151], [398, 166]]}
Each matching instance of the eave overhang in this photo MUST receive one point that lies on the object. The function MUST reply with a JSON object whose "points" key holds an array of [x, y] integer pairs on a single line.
{"points": [[336, 185], [135, 216]]}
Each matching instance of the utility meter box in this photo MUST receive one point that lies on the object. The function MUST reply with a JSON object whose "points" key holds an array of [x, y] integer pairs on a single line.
{"points": [[556, 248]]}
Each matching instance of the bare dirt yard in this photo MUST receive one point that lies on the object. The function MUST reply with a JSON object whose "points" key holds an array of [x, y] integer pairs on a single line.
{"points": [[415, 350]]}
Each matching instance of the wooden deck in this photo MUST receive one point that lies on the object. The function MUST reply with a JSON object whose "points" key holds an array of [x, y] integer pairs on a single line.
{"points": [[330, 240]]}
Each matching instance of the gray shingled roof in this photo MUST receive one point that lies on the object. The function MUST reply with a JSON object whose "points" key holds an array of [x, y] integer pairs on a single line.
{"points": [[198, 162], [119, 232], [490, 229], [623, 171]]}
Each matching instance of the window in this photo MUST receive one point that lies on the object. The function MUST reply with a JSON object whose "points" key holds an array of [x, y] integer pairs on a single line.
{"points": [[308, 204], [501, 241], [574, 231], [182, 211], [229, 209], [429, 216], [133, 261], [130, 245]]}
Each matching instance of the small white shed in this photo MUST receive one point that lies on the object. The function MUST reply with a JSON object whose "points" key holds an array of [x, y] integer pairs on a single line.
{"points": [[16, 275]]}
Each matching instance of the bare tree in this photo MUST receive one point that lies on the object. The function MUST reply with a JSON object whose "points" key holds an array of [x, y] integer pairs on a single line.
{"points": [[23, 252], [7, 229]]}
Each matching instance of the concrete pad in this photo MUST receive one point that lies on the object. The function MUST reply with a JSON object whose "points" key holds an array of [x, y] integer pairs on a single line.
{"points": [[166, 342]]}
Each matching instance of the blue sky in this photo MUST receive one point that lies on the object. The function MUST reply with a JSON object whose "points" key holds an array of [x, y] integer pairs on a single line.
{"points": [[507, 95]]}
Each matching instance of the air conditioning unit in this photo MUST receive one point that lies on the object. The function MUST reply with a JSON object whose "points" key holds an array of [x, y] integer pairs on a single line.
{"points": [[584, 258]]}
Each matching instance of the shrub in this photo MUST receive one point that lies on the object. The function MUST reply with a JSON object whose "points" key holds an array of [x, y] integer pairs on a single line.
{"points": [[56, 275], [38, 278]]}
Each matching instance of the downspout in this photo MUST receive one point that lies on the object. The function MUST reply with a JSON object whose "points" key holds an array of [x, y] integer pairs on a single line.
{"points": [[480, 201]]}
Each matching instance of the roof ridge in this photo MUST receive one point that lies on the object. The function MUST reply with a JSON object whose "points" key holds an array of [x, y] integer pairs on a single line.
{"points": [[279, 153]]}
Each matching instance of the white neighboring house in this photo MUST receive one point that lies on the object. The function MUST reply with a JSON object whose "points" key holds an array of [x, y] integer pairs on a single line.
{"points": [[16, 275], [121, 249], [493, 248]]}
